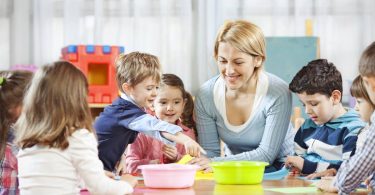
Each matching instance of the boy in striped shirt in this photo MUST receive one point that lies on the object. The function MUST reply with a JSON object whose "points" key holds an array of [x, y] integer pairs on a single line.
{"points": [[328, 137]]}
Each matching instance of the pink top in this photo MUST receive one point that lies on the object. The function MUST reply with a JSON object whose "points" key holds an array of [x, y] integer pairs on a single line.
{"points": [[146, 148]]}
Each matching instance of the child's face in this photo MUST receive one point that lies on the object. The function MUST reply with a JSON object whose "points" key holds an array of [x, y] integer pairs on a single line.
{"points": [[364, 109], [319, 107], [144, 93], [169, 104], [370, 87]]}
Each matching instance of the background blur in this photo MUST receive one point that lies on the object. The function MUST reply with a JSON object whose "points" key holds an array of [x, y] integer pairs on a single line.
{"points": [[180, 32]]}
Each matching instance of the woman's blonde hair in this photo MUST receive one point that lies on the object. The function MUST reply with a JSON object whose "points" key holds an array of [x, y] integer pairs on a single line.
{"points": [[134, 67], [244, 36], [54, 107]]}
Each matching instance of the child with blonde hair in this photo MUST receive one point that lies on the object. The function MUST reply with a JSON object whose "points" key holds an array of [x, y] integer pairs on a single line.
{"points": [[174, 105], [138, 77], [56, 139], [12, 87]]}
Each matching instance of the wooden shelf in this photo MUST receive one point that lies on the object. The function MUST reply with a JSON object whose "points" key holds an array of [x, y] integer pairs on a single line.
{"points": [[93, 105]]}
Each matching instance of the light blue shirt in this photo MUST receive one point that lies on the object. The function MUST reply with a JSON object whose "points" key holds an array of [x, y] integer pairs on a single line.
{"points": [[151, 126], [268, 136]]}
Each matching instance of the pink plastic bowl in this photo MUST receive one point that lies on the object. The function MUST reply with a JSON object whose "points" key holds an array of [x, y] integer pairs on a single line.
{"points": [[168, 175]]}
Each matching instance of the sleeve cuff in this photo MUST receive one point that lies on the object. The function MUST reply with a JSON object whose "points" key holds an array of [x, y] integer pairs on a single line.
{"points": [[308, 167]]}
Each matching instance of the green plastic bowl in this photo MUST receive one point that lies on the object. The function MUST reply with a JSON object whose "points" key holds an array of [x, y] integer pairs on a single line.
{"points": [[238, 172]]}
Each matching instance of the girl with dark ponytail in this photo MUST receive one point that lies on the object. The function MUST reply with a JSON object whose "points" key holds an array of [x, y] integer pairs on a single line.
{"points": [[13, 85]]}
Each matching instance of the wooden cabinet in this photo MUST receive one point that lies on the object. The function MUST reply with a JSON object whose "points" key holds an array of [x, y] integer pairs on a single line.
{"points": [[96, 109]]}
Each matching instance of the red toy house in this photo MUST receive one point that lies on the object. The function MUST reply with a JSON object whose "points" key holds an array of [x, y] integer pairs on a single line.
{"points": [[97, 63]]}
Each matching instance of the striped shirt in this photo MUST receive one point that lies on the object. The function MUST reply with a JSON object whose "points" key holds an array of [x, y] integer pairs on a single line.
{"points": [[359, 166], [326, 146]]}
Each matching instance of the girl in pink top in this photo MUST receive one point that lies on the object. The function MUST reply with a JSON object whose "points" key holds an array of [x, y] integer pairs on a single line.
{"points": [[174, 105]]}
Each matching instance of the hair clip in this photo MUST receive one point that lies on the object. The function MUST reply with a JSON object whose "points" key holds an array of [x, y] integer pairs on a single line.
{"points": [[2, 80]]}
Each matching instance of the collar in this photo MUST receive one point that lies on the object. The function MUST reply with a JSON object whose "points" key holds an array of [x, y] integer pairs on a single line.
{"points": [[127, 98]]}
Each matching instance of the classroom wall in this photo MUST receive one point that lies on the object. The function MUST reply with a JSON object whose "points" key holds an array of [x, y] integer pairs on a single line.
{"points": [[181, 32]]}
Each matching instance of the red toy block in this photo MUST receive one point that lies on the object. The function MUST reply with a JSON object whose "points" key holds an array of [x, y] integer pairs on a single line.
{"points": [[97, 63]]}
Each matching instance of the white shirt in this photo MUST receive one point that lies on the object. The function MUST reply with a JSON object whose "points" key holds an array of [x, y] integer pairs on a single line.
{"points": [[219, 94], [44, 170]]}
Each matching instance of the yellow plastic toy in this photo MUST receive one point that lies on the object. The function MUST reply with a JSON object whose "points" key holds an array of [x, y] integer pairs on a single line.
{"points": [[185, 159], [200, 174]]}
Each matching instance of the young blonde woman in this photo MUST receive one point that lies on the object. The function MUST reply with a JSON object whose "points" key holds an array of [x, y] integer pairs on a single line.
{"points": [[56, 139], [245, 107]]}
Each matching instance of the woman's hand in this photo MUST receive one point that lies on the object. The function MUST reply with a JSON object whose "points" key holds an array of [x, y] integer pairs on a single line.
{"points": [[294, 161], [129, 179], [326, 173], [326, 185], [170, 152], [203, 162]]}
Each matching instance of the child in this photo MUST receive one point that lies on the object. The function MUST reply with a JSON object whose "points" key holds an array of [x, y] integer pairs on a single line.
{"points": [[365, 108], [56, 138], [12, 87], [329, 135], [170, 105], [138, 76], [362, 164]]}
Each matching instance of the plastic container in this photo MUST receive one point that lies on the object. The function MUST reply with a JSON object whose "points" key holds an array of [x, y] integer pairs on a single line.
{"points": [[168, 175], [238, 172]]}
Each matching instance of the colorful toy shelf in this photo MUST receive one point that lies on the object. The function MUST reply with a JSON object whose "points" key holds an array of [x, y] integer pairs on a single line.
{"points": [[97, 63]]}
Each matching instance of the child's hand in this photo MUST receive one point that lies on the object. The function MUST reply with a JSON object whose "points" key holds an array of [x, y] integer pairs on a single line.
{"points": [[170, 152], [155, 161], [294, 171], [294, 161], [120, 165], [326, 185], [367, 183], [203, 162], [193, 148], [109, 174], [326, 173], [129, 179]]}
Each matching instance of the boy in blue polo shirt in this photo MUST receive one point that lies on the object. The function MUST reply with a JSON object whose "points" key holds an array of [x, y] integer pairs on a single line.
{"points": [[138, 77]]}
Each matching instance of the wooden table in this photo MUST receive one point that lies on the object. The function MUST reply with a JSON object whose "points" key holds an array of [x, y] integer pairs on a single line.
{"points": [[207, 187]]}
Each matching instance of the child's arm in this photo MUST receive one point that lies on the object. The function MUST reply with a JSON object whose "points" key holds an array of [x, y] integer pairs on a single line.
{"points": [[300, 147], [180, 148], [191, 146], [84, 153], [359, 166], [349, 141], [152, 126]]}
